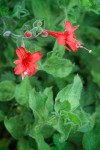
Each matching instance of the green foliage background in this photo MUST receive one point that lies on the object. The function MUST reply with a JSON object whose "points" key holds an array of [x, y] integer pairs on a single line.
{"points": [[59, 107]]}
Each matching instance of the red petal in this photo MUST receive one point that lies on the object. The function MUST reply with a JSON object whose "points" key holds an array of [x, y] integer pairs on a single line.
{"points": [[19, 69], [75, 27], [61, 40], [35, 57], [18, 61], [68, 26], [32, 70], [73, 46], [21, 53]]}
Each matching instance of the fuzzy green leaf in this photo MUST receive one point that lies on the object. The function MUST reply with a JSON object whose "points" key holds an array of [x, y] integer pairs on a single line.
{"points": [[22, 92], [71, 93], [7, 89], [15, 126], [41, 103], [75, 92], [91, 140], [58, 67]]}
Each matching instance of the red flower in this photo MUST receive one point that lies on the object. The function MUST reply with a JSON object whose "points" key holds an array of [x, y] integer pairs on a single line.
{"points": [[26, 62], [67, 38]]}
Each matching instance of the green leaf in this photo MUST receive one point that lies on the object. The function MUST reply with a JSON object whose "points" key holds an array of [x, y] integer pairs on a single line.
{"points": [[91, 140], [56, 141], [47, 130], [37, 135], [22, 92], [75, 92], [58, 67], [15, 126], [63, 129], [23, 145], [7, 89], [87, 121], [86, 3], [49, 102], [41, 103], [37, 103], [41, 11], [58, 50], [20, 11], [63, 94], [71, 93], [74, 118], [62, 106]]}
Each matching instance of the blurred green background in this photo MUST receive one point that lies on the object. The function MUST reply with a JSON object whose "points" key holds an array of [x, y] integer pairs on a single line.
{"points": [[16, 16]]}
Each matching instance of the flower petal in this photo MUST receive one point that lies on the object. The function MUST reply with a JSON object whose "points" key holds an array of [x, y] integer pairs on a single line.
{"points": [[69, 27], [73, 45], [31, 70], [75, 27], [21, 53], [18, 61], [36, 56], [19, 69], [61, 39]]}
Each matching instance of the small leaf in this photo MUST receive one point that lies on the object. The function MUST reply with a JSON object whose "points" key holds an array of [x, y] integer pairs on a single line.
{"points": [[37, 102], [91, 140], [22, 92], [62, 106], [15, 126], [7, 89], [58, 67], [71, 93], [49, 102], [58, 50], [56, 141], [75, 92], [37, 135], [41, 103], [23, 145], [63, 129], [87, 121], [74, 118]]}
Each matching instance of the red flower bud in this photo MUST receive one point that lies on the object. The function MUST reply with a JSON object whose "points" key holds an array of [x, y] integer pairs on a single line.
{"points": [[28, 34]]}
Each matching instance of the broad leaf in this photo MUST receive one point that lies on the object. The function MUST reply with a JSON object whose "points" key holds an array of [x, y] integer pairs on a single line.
{"points": [[15, 126], [7, 89], [58, 67], [22, 92], [71, 93]]}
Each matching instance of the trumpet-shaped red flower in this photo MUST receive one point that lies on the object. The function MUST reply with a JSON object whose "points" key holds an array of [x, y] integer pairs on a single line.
{"points": [[26, 62], [68, 37]]}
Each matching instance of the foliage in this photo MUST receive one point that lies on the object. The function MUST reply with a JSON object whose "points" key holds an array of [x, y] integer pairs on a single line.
{"points": [[58, 108]]}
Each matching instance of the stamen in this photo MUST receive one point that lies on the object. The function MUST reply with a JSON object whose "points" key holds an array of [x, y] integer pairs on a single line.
{"points": [[25, 73], [85, 48]]}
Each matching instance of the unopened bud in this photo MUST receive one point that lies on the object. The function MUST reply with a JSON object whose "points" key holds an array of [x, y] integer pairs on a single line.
{"points": [[44, 34], [7, 33], [28, 34]]}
